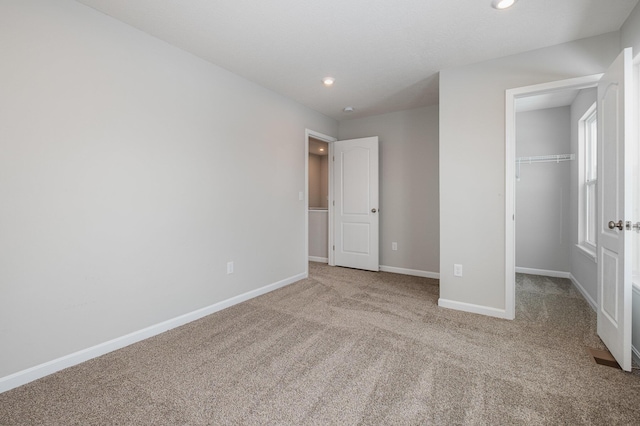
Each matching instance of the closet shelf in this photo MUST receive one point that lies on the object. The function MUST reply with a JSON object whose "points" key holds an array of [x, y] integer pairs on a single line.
{"points": [[556, 158]]}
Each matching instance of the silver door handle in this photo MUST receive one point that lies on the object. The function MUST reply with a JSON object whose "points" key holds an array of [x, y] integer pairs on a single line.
{"points": [[618, 225], [373, 210]]}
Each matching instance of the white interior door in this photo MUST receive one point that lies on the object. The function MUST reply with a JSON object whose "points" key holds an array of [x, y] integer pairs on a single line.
{"points": [[356, 213], [614, 205]]}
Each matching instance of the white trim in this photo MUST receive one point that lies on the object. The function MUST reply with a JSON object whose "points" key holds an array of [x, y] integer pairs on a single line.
{"points": [[318, 259], [474, 309], [635, 353], [585, 251], [585, 294], [317, 135], [30, 374], [583, 182], [543, 272], [510, 161], [412, 272]]}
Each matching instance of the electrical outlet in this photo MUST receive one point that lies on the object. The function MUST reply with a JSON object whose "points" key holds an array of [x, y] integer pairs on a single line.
{"points": [[229, 267], [394, 246], [457, 270]]}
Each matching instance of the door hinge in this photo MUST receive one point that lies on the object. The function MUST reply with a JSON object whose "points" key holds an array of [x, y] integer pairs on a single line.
{"points": [[334, 158], [334, 202], [334, 248]]}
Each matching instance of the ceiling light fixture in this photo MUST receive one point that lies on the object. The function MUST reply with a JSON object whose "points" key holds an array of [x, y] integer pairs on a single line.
{"points": [[321, 149], [328, 81], [349, 109], [502, 4]]}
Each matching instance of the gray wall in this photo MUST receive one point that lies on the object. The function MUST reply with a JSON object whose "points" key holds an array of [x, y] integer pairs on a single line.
{"points": [[324, 181], [319, 233], [408, 184], [314, 180], [318, 180], [583, 267], [125, 183], [630, 31], [472, 159], [542, 193]]}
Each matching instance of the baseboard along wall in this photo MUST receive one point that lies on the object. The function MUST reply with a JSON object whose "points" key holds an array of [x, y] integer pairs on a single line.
{"points": [[635, 355], [318, 259], [543, 272], [584, 293], [413, 272], [474, 309], [25, 376]]}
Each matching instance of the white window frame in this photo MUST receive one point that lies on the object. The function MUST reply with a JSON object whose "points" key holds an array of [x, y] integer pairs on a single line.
{"points": [[588, 181]]}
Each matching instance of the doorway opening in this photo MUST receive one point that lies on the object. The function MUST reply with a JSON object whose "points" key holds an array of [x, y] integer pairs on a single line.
{"points": [[518, 162], [318, 200], [317, 220]]}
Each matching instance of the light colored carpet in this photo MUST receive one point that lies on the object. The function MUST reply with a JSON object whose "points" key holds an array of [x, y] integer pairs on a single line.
{"points": [[350, 347]]}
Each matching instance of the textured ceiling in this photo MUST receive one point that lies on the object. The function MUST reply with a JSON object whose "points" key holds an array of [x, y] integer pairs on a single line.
{"points": [[385, 55]]}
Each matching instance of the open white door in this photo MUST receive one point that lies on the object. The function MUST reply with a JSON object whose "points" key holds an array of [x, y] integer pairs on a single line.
{"points": [[614, 207], [356, 203]]}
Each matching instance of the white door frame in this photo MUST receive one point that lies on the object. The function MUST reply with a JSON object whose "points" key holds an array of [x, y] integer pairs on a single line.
{"points": [[510, 172], [329, 139]]}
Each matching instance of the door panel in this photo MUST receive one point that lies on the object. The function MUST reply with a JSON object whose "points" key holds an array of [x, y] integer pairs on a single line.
{"points": [[356, 181], [356, 203], [614, 205], [355, 238]]}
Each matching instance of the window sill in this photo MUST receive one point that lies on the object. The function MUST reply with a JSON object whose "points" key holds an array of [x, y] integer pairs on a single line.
{"points": [[587, 252]]}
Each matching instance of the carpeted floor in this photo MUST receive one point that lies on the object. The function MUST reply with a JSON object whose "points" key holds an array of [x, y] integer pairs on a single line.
{"points": [[350, 347]]}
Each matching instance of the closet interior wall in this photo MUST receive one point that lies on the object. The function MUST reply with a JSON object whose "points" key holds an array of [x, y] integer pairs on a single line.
{"points": [[543, 189]]}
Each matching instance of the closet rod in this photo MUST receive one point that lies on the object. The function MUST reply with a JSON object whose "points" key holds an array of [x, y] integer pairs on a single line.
{"points": [[556, 158]]}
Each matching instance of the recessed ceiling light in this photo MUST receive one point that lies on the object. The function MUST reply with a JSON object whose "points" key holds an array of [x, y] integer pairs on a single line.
{"points": [[328, 81], [349, 109], [502, 4]]}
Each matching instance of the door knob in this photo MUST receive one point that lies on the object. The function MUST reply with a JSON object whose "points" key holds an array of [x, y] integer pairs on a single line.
{"points": [[618, 225], [373, 210]]}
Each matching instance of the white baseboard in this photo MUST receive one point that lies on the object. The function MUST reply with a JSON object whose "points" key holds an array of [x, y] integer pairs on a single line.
{"points": [[635, 354], [413, 272], [543, 272], [475, 309], [584, 293], [318, 259], [30, 374]]}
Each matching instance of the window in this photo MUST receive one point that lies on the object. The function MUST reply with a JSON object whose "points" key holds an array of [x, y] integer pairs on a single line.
{"points": [[588, 156]]}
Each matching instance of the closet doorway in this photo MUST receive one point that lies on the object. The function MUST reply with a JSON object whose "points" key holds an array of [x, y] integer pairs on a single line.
{"points": [[318, 200], [317, 233], [542, 187]]}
